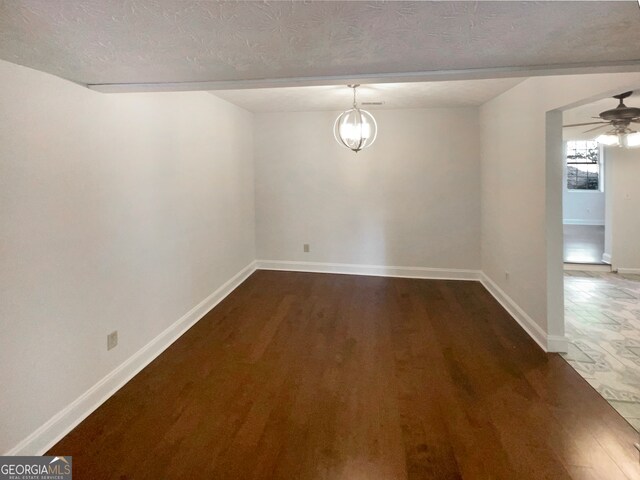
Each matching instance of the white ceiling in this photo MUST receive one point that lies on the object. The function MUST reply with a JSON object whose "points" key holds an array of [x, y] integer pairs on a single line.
{"points": [[585, 113], [140, 41], [458, 93]]}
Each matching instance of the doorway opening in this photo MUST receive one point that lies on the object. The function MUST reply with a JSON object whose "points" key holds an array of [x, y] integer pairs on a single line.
{"points": [[601, 198], [584, 200]]}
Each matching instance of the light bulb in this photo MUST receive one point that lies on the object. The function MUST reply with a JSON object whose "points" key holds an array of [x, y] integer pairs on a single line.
{"points": [[633, 140], [355, 129], [610, 140]]}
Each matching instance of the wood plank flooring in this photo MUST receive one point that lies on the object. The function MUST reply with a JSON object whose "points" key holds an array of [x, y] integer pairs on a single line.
{"points": [[583, 244], [320, 376]]}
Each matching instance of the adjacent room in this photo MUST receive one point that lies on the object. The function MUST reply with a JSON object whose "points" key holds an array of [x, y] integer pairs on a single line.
{"points": [[319, 240], [602, 258], [584, 200]]}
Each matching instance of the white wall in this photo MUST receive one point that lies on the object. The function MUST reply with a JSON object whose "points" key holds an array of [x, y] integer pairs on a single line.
{"points": [[117, 212], [409, 200], [122, 212], [522, 168], [624, 169], [583, 208], [608, 215]]}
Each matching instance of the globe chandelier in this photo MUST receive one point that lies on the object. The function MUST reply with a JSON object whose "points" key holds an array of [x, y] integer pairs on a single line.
{"points": [[355, 128]]}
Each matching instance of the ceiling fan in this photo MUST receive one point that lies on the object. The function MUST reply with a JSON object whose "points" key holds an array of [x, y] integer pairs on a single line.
{"points": [[620, 119]]}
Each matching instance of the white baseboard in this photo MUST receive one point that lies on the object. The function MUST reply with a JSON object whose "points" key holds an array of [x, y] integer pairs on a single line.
{"points": [[47, 435], [548, 343], [557, 343], [587, 267], [577, 221], [371, 270], [64, 421], [630, 271]]}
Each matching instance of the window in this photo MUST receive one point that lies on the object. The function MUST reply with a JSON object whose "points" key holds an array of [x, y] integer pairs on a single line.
{"points": [[583, 165]]}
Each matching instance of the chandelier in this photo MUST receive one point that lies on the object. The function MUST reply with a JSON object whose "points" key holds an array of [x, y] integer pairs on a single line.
{"points": [[355, 128]]}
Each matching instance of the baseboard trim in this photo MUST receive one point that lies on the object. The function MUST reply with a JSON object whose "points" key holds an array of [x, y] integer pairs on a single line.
{"points": [[586, 267], [576, 221], [370, 270], [557, 343], [630, 271], [47, 435], [548, 343]]}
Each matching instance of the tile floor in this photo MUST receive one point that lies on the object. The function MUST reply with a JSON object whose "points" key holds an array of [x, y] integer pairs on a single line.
{"points": [[602, 315]]}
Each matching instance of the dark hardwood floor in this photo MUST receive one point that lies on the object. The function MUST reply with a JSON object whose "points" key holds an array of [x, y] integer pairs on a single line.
{"points": [[319, 376]]}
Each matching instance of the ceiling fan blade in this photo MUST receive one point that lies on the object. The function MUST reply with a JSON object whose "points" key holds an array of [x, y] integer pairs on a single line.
{"points": [[583, 124], [596, 128]]}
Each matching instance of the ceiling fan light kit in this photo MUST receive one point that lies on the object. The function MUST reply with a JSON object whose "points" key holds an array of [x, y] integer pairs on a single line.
{"points": [[355, 128], [620, 118], [626, 140], [608, 140], [633, 140]]}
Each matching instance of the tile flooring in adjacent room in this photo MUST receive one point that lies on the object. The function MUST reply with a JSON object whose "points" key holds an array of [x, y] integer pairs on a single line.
{"points": [[602, 315]]}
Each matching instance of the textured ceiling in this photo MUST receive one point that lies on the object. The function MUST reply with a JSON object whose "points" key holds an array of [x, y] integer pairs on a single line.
{"points": [[138, 41], [394, 95]]}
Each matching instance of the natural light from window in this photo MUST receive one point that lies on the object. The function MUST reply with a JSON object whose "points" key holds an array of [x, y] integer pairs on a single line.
{"points": [[583, 165]]}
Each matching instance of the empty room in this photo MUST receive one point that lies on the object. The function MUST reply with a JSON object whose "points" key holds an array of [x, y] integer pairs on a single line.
{"points": [[346, 240]]}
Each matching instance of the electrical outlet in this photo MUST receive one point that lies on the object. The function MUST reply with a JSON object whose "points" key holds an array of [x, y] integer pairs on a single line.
{"points": [[305, 248], [112, 340]]}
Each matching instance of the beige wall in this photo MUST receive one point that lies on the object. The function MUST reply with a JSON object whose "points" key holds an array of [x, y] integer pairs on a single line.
{"points": [[409, 200], [117, 212]]}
